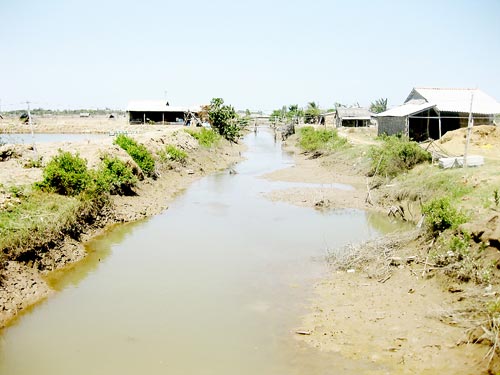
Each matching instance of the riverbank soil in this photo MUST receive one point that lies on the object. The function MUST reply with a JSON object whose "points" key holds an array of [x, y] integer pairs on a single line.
{"points": [[22, 281], [387, 302]]}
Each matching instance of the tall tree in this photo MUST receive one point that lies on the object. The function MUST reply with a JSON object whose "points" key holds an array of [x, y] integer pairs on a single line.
{"points": [[223, 118], [380, 105]]}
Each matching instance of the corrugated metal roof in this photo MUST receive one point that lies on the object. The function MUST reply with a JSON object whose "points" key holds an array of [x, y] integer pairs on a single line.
{"points": [[457, 100], [406, 109], [354, 113], [157, 106]]}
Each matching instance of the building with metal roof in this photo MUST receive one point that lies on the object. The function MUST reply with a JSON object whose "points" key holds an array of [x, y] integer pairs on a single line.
{"points": [[350, 117], [158, 111], [431, 112]]}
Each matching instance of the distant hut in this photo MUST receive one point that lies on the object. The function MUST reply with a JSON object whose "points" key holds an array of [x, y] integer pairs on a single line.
{"points": [[159, 111], [24, 117], [348, 117]]}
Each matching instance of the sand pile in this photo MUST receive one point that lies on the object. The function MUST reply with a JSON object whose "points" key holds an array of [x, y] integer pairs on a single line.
{"points": [[485, 141]]}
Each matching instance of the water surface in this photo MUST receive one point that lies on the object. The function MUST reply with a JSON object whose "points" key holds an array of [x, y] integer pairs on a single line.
{"points": [[27, 138]]}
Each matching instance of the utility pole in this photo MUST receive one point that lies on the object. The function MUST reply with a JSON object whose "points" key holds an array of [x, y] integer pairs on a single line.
{"points": [[30, 123], [469, 129]]}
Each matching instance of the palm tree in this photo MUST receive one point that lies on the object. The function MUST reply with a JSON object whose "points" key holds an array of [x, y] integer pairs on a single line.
{"points": [[379, 106], [312, 113]]}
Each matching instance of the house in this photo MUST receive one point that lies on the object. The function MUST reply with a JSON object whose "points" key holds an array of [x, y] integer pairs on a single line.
{"points": [[350, 117], [158, 111], [431, 112]]}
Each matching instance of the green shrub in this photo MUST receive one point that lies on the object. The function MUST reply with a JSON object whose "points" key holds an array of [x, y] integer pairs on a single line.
{"points": [[460, 244], [115, 177], [441, 215], [173, 153], [396, 155], [65, 174], [139, 153], [33, 163], [205, 137], [320, 140], [224, 119]]}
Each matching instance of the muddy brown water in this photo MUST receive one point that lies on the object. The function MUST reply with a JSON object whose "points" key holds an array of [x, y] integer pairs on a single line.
{"points": [[216, 284]]}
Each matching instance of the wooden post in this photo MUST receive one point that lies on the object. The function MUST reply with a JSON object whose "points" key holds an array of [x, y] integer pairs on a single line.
{"points": [[439, 125], [469, 129], [30, 123], [407, 126], [163, 118], [144, 118], [428, 115]]}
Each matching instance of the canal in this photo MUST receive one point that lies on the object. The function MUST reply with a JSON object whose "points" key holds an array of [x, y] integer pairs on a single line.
{"points": [[216, 284]]}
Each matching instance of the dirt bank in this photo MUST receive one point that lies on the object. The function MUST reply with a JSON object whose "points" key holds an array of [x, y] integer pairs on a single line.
{"points": [[388, 304], [23, 282], [341, 183]]}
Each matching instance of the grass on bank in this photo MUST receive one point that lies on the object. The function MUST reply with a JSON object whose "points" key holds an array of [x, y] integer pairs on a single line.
{"points": [[320, 140], [69, 197], [139, 153], [38, 219], [172, 153], [206, 137]]}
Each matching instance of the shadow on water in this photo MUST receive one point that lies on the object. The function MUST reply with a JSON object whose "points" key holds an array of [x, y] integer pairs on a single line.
{"points": [[97, 250], [214, 285]]}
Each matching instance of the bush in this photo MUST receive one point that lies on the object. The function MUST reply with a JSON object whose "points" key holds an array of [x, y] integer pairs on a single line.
{"points": [[65, 174], [173, 153], [320, 140], [139, 153], [441, 215], [223, 118], [115, 177], [205, 137], [395, 156]]}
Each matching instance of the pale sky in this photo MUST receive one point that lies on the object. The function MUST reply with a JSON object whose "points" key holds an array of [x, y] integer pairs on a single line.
{"points": [[259, 54]]}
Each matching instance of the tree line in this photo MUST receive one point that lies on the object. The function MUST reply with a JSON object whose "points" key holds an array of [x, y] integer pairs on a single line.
{"points": [[312, 113]]}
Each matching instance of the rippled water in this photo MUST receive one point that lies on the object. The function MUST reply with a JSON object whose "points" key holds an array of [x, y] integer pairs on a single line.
{"points": [[214, 285]]}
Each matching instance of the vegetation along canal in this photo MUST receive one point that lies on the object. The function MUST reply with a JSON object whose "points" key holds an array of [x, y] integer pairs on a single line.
{"points": [[215, 285]]}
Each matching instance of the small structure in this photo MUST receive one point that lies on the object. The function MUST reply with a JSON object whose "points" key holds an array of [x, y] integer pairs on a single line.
{"points": [[84, 114], [349, 117], [159, 111], [431, 112]]}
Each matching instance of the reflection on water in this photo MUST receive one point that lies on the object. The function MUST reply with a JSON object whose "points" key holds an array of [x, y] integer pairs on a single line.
{"points": [[214, 285], [97, 250]]}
